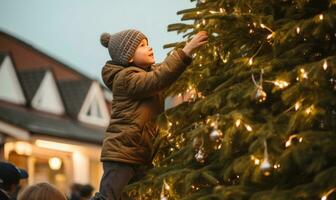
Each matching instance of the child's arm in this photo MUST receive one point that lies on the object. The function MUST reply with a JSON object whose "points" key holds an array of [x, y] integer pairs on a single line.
{"points": [[140, 84]]}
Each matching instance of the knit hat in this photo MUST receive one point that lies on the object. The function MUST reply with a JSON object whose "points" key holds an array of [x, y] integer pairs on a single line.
{"points": [[10, 174], [122, 45]]}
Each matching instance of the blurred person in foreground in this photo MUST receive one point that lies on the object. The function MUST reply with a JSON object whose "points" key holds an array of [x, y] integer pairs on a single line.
{"points": [[10, 177], [41, 191]]}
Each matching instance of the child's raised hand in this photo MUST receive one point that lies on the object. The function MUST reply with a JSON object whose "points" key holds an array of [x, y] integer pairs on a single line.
{"points": [[198, 40]]}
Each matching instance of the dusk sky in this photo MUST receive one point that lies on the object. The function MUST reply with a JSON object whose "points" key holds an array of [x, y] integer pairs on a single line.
{"points": [[69, 30]]}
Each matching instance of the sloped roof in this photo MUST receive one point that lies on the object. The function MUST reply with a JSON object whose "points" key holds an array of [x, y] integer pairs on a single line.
{"points": [[73, 94], [73, 89], [34, 57], [50, 125], [31, 81]]}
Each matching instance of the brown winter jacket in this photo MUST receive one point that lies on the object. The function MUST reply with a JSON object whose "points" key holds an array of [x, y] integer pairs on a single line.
{"points": [[137, 100]]}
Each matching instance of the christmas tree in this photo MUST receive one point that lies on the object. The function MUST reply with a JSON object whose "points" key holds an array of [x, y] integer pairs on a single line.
{"points": [[258, 119]]}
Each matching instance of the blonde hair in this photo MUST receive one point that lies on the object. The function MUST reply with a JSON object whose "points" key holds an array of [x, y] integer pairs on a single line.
{"points": [[41, 191]]}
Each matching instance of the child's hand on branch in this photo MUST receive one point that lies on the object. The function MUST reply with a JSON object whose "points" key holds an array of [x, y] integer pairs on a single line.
{"points": [[198, 40]]}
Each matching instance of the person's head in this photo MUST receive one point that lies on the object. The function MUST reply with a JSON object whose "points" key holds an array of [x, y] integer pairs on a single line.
{"points": [[128, 47], [143, 55], [75, 188], [41, 191], [86, 191], [10, 177]]}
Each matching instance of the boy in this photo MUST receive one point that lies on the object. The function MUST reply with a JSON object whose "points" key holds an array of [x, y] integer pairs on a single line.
{"points": [[137, 87]]}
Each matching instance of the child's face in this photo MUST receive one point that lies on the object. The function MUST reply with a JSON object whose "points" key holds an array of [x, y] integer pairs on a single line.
{"points": [[143, 55]]}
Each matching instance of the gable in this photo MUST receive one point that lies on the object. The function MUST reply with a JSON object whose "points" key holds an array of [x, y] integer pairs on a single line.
{"points": [[94, 109], [31, 81], [73, 94], [47, 97], [10, 87]]}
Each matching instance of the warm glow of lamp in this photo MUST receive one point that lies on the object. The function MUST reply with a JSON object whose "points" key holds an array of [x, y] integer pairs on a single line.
{"points": [[55, 145], [23, 148], [55, 163]]}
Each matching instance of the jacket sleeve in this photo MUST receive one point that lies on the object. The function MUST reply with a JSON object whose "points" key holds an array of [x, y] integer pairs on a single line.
{"points": [[141, 84], [107, 77]]}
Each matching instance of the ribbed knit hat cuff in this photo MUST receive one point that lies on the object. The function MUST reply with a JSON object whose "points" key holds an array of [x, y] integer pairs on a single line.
{"points": [[122, 45], [129, 51]]}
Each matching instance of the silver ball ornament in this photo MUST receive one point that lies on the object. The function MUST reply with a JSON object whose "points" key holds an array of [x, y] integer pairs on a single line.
{"points": [[260, 95], [215, 134]]}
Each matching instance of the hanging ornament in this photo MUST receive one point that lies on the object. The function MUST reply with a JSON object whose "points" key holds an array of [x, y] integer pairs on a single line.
{"points": [[200, 155], [265, 165], [260, 94], [215, 134], [164, 191]]}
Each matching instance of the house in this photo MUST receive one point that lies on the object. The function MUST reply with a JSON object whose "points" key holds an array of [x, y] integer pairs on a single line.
{"points": [[52, 117]]}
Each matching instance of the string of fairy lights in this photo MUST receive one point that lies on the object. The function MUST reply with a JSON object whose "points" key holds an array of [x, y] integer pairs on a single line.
{"points": [[264, 162]]}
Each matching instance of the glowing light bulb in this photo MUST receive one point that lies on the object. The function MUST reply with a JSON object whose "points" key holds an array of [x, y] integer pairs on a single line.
{"points": [[55, 163], [298, 30], [303, 74], [297, 105], [238, 122], [326, 195], [325, 65], [213, 124], [321, 17], [250, 61], [167, 187], [248, 127], [289, 141], [281, 84], [309, 110]]}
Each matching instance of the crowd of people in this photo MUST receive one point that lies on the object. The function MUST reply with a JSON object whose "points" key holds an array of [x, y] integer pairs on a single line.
{"points": [[10, 189]]}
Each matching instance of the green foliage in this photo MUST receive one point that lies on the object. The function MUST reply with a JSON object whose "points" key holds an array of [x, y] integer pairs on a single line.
{"points": [[294, 129]]}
